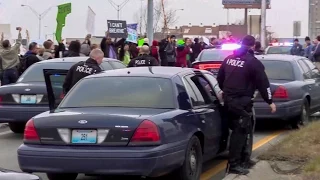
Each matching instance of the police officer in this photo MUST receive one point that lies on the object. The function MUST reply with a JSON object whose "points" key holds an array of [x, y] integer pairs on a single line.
{"points": [[239, 76], [83, 69], [144, 59]]}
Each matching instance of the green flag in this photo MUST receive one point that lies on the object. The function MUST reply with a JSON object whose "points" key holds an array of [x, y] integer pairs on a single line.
{"points": [[63, 11]]}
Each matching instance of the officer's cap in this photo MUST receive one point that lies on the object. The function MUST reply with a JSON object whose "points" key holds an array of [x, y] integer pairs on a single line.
{"points": [[248, 41]]}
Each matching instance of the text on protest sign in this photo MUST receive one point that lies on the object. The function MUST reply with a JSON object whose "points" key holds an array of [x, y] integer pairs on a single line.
{"points": [[117, 29]]}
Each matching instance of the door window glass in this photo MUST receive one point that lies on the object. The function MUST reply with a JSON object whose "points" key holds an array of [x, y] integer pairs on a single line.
{"points": [[305, 69]]}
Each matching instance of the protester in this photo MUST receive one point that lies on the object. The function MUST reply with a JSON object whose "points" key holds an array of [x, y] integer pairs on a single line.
{"points": [[297, 48], [31, 56], [73, 50], [146, 42], [47, 54], [94, 46], [124, 54], [182, 52], [308, 47], [233, 79], [314, 45], [155, 50], [316, 53], [60, 49], [10, 59], [196, 48], [83, 69], [134, 52], [40, 54], [257, 48], [110, 48], [167, 51], [86, 46], [1, 71], [144, 59]]}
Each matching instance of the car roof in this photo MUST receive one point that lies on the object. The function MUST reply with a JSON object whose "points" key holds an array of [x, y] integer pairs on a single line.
{"points": [[71, 60], [152, 71], [278, 57]]}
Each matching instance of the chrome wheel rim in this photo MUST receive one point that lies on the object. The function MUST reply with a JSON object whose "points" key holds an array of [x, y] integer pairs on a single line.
{"points": [[193, 162]]}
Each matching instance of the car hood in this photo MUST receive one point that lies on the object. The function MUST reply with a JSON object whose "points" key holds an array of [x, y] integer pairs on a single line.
{"points": [[10, 175]]}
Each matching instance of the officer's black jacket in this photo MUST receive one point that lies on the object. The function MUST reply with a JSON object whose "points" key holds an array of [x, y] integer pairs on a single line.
{"points": [[143, 60], [79, 71], [241, 74]]}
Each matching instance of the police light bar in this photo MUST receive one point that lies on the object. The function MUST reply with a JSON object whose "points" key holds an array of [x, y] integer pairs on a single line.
{"points": [[230, 46], [282, 44]]}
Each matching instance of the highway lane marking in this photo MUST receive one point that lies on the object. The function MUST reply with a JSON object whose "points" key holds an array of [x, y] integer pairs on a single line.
{"points": [[222, 166], [5, 133]]}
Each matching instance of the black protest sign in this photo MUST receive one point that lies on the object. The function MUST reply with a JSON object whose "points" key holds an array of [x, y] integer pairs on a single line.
{"points": [[117, 29]]}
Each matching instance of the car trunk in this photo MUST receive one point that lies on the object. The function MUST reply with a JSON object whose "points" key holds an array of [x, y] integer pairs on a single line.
{"points": [[30, 94], [103, 126], [212, 66]]}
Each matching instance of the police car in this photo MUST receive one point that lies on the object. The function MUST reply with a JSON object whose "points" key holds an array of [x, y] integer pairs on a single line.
{"points": [[279, 48], [211, 59]]}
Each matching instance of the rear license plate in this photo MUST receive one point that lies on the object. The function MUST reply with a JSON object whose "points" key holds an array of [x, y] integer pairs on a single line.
{"points": [[213, 70], [28, 99], [84, 136]]}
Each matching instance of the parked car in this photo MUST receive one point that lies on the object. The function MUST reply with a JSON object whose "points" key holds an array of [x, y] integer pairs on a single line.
{"points": [[279, 48], [211, 59], [295, 86], [145, 121], [12, 175], [28, 97]]}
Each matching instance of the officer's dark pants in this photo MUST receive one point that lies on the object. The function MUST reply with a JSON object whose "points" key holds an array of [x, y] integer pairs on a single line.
{"points": [[241, 123]]}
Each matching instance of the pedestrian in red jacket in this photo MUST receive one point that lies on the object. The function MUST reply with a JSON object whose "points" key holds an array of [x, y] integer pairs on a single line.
{"points": [[155, 50], [182, 52]]}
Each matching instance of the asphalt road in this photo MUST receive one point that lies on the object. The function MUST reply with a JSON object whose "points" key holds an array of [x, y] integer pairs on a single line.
{"points": [[213, 170]]}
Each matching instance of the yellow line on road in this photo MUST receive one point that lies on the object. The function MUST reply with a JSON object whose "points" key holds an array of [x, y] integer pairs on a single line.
{"points": [[222, 166]]}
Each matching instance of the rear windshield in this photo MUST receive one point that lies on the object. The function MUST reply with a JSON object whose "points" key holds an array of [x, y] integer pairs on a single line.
{"points": [[35, 72], [213, 55], [279, 50], [278, 70], [139, 92]]}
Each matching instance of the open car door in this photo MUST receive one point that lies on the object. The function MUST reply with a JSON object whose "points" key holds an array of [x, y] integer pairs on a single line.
{"points": [[54, 79]]}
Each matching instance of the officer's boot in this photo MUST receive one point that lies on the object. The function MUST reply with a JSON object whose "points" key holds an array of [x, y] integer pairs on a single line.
{"points": [[248, 164], [237, 169]]}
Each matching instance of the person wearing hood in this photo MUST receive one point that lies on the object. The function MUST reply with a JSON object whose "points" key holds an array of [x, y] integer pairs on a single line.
{"points": [[239, 76], [73, 50], [182, 52], [257, 48], [110, 48], [155, 50], [196, 48], [31, 55]]}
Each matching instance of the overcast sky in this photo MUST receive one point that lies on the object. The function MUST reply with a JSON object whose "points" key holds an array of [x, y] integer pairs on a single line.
{"points": [[280, 17]]}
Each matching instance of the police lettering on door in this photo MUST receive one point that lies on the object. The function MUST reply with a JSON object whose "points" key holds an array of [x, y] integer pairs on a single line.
{"points": [[235, 62], [84, 69]]}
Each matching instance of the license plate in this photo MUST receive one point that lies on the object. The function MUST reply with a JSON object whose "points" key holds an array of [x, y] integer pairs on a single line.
{"points": [[28, 99], [214, 70], [84, 136]]}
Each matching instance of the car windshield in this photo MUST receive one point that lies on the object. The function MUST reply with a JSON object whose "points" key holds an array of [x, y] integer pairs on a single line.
{"points": [[212, 55], [279, 50], [278, 70], [135, 92], [35, 72]]}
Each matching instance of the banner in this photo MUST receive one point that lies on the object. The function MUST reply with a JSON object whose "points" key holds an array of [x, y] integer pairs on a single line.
{"points": [[117, 29], [133, 26], [91, 21], [63, 11], [132, 35]]}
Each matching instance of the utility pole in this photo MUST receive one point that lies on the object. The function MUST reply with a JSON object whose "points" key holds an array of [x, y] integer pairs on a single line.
{"points": [[165, 26], [140, 26], [150, 21], [118, 7], [263, 23]]}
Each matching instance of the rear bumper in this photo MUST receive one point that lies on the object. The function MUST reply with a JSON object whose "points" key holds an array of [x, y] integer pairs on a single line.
{"points": [[285, 110], [146, 161], [19, 113]]}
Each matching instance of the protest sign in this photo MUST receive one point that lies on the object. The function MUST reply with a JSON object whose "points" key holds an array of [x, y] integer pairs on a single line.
{"points": [[132, 35], [133, 26], [117, 29]]}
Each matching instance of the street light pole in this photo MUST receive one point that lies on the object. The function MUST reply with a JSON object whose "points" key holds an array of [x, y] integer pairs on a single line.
{"points": [[118, 7], [40, 16], [263, 23]]}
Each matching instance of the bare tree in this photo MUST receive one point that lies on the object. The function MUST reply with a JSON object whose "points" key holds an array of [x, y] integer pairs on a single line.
{"points": [[158, 16]]}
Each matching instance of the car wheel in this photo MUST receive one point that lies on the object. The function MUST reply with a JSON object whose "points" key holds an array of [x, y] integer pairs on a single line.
{"points": [[54, 176], [192, 165], [17, 127], [304, 118]]}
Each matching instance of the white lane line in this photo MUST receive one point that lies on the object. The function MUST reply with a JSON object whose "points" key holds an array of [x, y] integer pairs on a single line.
{"points": [[5, 133]]}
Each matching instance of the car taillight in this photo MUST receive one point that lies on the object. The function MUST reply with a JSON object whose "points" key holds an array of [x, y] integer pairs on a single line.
{"points": [[147, 133], [281, 93], [30, 132], [209, 66], [196, 66]]}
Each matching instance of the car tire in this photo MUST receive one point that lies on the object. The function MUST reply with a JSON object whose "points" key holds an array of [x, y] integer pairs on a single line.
{"points": [[304, 118], [54, 176], [192, 165], [17, 127]]}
